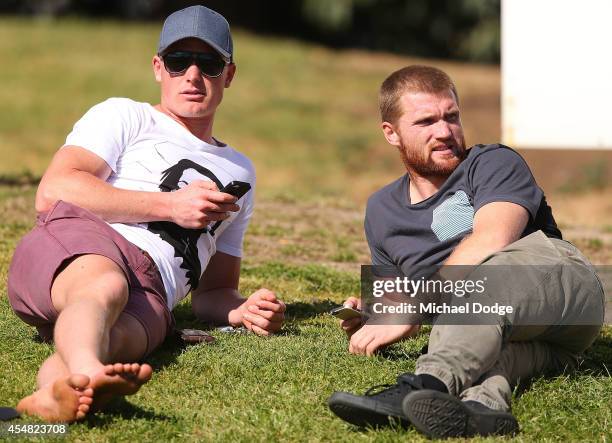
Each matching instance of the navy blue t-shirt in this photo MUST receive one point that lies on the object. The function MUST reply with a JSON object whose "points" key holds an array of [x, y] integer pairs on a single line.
{"points": [[410, 236]]}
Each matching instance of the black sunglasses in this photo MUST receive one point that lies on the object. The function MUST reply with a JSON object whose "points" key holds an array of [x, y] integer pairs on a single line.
{"points": [[177, 62]]}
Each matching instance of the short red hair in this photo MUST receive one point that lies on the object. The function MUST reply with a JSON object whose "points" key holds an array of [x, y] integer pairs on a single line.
{"points": [[414, 78]]}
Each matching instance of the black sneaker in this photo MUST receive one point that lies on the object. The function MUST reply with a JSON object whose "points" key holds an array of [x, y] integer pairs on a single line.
{"points": [[439, 415], [378, 405], [8, 414]]}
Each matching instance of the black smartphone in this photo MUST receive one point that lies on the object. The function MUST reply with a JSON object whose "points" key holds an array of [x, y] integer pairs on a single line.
{"points": [[236, 188], [345, 313]]}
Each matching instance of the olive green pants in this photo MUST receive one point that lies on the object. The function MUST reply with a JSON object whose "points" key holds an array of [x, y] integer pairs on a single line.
{"points": [[555, 296]]}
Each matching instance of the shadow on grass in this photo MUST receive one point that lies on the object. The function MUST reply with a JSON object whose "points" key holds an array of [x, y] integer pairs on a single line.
{"points": [[597, 362], [393, 425], [37, 338], [598, 359], [301, 310], [121, 408], [398, 353], [173, 346], [296, 311]]}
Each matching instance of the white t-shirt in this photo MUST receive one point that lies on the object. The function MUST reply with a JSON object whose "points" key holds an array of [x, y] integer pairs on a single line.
{"points": [[149, 151]]}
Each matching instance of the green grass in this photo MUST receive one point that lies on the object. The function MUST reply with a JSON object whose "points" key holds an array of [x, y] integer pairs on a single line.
{"points": [[244, 388], [307, 116]]}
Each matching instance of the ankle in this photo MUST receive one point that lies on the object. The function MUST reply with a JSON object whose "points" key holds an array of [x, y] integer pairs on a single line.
{"points": [[88, 367], [433, 383]]}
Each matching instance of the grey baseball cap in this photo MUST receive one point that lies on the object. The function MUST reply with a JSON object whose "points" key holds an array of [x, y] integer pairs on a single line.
{"points": [[197, 22]]}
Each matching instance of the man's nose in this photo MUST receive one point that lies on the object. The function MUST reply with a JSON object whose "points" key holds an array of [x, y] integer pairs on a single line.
{"points": [[193, 72], [443, 130]]}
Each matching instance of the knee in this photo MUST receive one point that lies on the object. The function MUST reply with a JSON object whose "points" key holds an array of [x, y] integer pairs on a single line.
{"points": [[113, 291], [109, 290]]}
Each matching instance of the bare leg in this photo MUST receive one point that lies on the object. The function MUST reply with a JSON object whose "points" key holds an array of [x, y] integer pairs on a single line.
{"points": [[128, 342], [89, 293], [51, 369]]}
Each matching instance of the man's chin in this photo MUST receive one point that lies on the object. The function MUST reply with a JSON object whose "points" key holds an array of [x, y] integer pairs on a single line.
{"points": [[194, 111], [447, 166], [439, 168], [447, 160], [438, 164]]}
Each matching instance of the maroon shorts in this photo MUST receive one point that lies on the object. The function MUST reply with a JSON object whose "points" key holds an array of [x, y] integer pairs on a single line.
{"points": [[65, 232]]}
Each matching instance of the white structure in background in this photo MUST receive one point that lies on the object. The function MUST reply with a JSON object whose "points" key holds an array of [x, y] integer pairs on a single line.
{"points": [[557, 74]]}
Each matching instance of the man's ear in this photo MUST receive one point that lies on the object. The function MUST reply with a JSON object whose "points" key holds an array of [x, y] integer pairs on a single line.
{"points": [[157, 67], [231, 71], [391, 134]]}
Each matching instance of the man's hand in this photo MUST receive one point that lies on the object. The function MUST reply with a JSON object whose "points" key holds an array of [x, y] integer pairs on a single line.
{"points": [[263, 313], [200, 203], [370, 338], [352, 325]]}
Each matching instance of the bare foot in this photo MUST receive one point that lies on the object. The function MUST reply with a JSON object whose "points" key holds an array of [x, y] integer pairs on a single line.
{"points": [[117, 380], [65, 400]]}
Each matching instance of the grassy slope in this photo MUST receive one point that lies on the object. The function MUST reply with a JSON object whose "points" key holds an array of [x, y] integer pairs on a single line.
{"points": [[307, 117]]}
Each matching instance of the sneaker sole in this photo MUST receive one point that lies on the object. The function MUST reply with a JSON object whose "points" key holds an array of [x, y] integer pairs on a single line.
{"points": [[362, 411], [439, 415]]}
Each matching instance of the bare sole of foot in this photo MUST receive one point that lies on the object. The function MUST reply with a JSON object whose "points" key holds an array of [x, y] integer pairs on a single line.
{"points": [[118, 379], [65, 400]]}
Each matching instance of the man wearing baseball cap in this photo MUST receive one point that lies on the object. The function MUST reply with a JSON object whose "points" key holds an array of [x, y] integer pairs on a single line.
{"points": [[130, 220]]}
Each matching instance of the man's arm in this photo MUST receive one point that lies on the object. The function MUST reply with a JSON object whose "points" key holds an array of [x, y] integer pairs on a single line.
{"points": [[496, 225], [218, 301], [217, 298], [78, 176]]}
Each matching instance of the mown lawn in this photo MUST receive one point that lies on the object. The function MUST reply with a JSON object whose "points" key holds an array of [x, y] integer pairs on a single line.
{"points": [[307, 116]]}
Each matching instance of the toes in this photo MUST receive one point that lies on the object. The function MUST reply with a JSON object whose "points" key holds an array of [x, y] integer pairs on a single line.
{"points": [[89, 392], [83, 400], [131, 369], [145, 372], [80, 415], [78, 381], [83, 408]]}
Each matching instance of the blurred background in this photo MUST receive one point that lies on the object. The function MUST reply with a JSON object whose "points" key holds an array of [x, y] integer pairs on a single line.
{"points": [[465, 29], [303, 105]]}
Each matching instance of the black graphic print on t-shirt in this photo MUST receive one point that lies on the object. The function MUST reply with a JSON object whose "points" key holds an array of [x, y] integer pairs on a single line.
{"points": [[183, 240]]}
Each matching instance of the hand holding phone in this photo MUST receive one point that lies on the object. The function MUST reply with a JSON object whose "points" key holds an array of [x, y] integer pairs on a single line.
{"points": [[345, 313], [352, 316], [236, 188], [198, 204]]}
